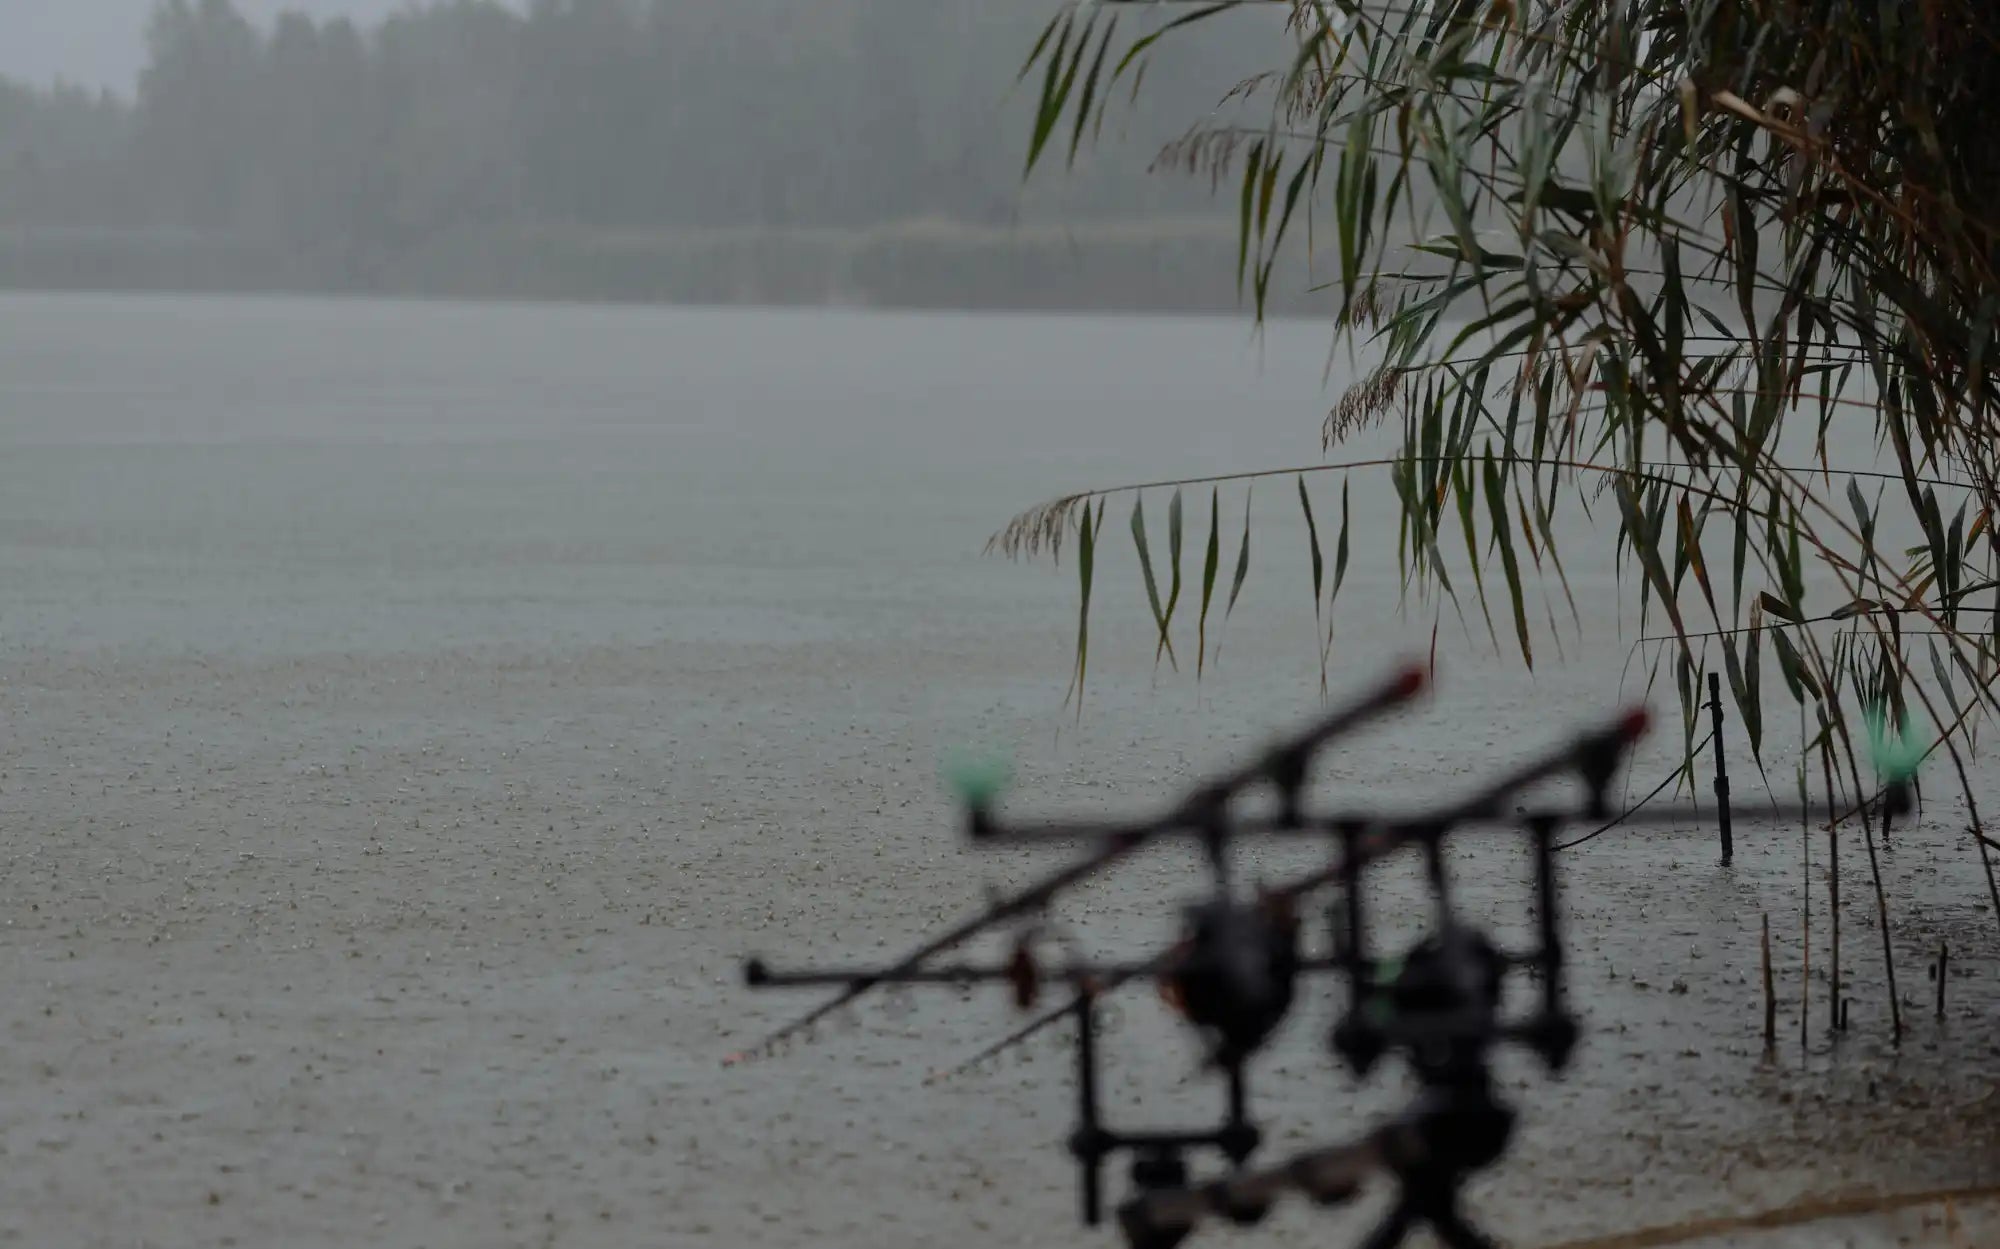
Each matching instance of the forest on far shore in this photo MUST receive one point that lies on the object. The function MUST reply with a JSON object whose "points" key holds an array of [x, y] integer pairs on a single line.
{"points": [[790, 151]]}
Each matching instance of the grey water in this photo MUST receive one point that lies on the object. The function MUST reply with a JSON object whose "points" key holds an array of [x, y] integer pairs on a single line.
{"points": [[275, 474], [500, 675]]}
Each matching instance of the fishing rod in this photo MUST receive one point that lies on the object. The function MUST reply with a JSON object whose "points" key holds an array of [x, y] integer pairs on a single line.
{"points": [[1283, 765], [1894, 800], [1593, 756], [1374, 837], [1397, 830], [1234, 976]]}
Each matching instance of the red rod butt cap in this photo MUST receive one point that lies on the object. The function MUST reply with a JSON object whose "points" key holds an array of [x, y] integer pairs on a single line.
{"points": [[1634, 725], [1410, 682]]}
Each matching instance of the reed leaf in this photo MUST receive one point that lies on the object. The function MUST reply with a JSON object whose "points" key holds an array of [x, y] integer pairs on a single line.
{"points": [[1319, 572], [1088, 528], [1161, 615], [1166, 644], [1089, 96], [1242, 562], [1503, 541], [1209, 564]]}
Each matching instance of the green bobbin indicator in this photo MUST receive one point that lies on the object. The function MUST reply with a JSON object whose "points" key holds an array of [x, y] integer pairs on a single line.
{"points": [[1896, 759], [979, 779]]}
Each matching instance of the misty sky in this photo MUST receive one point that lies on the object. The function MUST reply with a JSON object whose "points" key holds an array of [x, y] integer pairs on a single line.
{"points": [[101, 42]]}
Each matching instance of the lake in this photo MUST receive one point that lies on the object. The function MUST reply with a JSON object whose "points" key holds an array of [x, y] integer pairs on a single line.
{"points": [[417, 710]]}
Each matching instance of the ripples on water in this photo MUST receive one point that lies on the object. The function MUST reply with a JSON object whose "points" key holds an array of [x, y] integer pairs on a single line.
{"points": [[508, 672]]}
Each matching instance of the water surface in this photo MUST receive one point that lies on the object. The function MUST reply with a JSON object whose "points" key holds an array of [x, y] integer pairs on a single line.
{"points": [[417, 710]]}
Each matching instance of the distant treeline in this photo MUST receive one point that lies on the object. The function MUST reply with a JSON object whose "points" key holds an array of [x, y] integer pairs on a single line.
{"points": [[790, 150]]}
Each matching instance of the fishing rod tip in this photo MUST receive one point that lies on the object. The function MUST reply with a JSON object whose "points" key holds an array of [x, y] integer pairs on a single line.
{"points": [[756, 972]]}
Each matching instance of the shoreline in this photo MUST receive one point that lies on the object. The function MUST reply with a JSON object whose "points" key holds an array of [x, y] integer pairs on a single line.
{"points": [[1174, 267]]}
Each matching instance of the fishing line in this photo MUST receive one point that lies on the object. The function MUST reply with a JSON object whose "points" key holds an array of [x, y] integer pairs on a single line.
{"points": [[1628, 812]]}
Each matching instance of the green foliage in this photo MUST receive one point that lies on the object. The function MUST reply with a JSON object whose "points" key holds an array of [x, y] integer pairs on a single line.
{"points": [[1242, 561], [1163, 615], [1654, 249], [1318, 567], [1209, 564], [1089, 526]]}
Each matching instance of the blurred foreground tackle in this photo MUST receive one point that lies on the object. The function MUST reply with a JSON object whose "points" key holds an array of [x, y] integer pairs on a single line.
{"points": [[1236, 974]]}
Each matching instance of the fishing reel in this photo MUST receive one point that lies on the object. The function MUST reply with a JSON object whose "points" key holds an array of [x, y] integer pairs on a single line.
{"points": [[1233, 978], [1441, 1001], [1235, 975], [1439, 1004]]}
